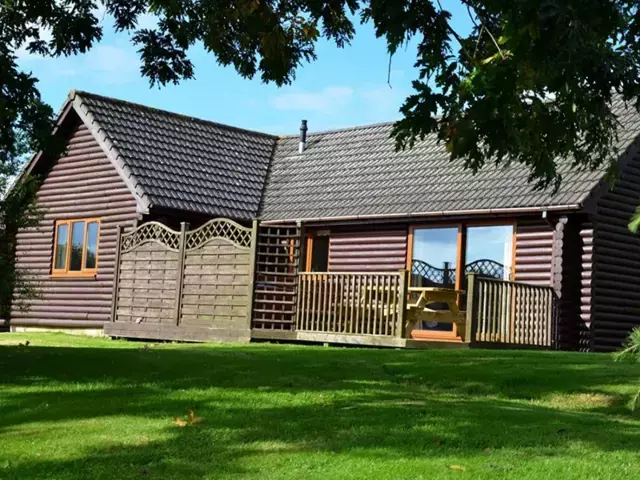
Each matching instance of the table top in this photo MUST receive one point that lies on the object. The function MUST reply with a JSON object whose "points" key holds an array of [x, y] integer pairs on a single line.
{"points": [[437, 290]]}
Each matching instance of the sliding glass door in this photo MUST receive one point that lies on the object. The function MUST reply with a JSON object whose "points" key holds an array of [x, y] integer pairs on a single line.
{"points": [[433, 264], [489, 251], [443, 257]]}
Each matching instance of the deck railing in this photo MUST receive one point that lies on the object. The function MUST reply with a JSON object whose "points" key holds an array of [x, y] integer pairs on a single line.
{"points": [[352, 303], [511, 312]]}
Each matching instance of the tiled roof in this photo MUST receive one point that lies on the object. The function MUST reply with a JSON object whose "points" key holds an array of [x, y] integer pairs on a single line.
{"points": [[357, 172], [185, 163]]}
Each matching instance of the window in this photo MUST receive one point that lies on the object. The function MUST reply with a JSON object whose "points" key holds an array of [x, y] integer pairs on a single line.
{"points": [[435, 255], [490, 251], [317, 253], [75, 251]]}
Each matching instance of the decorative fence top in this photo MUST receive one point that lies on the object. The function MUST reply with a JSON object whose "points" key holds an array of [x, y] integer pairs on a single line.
{"points": [[447, 276], [218, 228], [150, 232], [221, 228]]}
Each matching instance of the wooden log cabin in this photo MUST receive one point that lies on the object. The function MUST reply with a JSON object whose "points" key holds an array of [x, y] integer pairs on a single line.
{"points": [[159, 225]]}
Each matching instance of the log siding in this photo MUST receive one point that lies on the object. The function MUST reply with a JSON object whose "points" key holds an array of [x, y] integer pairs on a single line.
{"points": [[615, 306], [362, 252], [81, 184], [586, 242], [534, 253]]}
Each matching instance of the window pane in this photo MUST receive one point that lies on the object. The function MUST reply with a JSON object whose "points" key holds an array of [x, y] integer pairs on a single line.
{"points": [[320, 254], [490, 251], [92, 245], [435, 254], [62, 238], [77, 244]]}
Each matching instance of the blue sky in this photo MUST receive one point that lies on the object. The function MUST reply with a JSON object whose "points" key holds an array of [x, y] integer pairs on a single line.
{"points": [[344, 87]]}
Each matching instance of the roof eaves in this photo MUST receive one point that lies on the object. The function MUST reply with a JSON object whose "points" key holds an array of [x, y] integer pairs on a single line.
{"points": [[112, 152], [603, 184], [447, 213]]}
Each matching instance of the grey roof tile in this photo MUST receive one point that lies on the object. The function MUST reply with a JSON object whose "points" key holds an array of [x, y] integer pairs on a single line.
{"points": [[194, 165], [357, 171], [185, 163]]}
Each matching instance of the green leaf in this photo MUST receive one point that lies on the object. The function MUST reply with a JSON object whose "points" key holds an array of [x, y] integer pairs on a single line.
{"points": [[634, 225]]}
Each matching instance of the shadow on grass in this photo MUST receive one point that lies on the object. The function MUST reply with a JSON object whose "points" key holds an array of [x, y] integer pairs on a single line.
{"points": [[266, 400]]}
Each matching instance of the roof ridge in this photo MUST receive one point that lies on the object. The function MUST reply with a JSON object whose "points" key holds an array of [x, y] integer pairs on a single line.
{"points": [[343, 129], [84, 93]]}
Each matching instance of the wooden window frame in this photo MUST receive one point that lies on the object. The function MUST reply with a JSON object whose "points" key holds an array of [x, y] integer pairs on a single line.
{"points": [[83, 272], [461, 254]]}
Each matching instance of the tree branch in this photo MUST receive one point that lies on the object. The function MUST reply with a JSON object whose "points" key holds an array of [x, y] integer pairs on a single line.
{"points": [[457, 37]]}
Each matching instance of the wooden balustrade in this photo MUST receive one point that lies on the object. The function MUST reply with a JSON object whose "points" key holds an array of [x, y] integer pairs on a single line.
{"points": [[352, 303], [511, 312]]}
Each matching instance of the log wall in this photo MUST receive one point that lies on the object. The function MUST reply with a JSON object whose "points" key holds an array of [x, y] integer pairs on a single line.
{"points": [[534, 253], [615, 306], [566, 280], [586, 243], [81, 184], [374, 252]]}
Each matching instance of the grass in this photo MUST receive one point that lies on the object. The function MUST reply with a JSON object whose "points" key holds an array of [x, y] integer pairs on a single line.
{"points": [[80, 408]]}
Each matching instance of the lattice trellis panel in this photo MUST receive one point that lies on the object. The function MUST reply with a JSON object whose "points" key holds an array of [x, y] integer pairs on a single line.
{"points": [[433, 275], [276, 283], [486, 268], [219, 228], [150, 232]]}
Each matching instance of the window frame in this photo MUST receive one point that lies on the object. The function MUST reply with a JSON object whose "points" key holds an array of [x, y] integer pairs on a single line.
{"points": [[83, 272]]}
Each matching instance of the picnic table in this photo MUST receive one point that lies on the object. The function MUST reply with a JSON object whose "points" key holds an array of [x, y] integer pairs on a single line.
{"points": [[420, 308]]}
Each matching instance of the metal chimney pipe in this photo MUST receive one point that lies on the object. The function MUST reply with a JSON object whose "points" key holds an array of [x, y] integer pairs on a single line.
{"points": [[303, 136]]}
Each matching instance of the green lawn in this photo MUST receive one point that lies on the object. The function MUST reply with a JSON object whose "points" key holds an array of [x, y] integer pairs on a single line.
{"points": [[84, 408]]}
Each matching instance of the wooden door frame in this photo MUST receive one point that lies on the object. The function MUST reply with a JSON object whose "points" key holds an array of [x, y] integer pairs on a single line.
{"points": [[310, 235], [428, 335], [461, 253]]}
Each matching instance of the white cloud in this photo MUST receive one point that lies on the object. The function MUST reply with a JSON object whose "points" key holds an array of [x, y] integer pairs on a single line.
{"points": [[147, 20], [113, 64], [66, 72], [327, 100], [24, 55]]}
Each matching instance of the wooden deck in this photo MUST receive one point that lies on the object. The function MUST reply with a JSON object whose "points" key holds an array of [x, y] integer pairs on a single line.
{"points": [[381, 310], [353, 340]]}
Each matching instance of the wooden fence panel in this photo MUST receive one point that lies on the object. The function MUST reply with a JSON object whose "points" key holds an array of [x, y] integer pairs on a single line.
{"points": [[146, 278], [215, 290], [193, 285]]}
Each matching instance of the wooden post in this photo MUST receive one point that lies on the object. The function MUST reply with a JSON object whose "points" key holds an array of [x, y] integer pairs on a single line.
{"points": [[116, 274], [445, 279], [252, 273], [472, 309], [184, 226], [402, 306]]}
